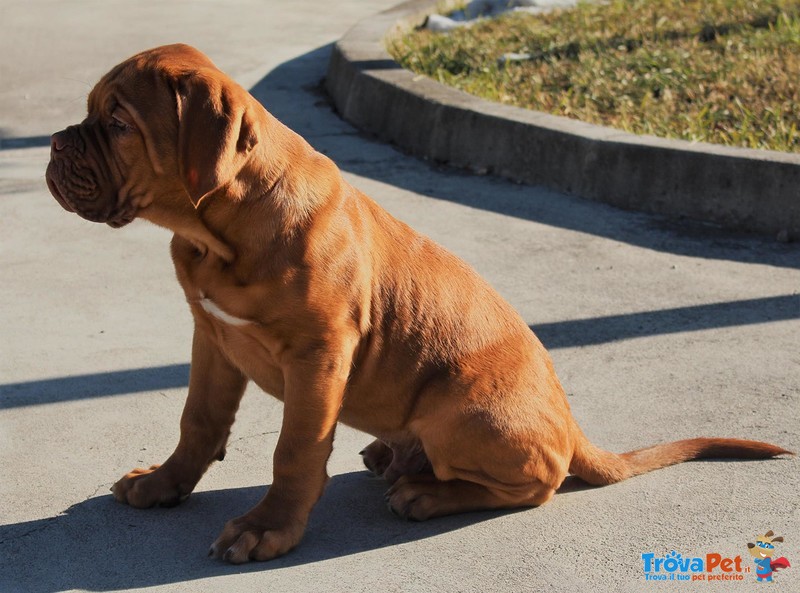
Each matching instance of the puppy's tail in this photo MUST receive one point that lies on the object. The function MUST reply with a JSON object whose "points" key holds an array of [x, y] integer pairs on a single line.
{"points": [[598, 467]]}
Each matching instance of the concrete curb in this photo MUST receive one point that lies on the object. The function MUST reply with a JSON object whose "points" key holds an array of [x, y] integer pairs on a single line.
{"points": [[737, 188]]}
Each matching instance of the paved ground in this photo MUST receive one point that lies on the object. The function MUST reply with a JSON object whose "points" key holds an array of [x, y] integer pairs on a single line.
{"points": [[659, 331]]}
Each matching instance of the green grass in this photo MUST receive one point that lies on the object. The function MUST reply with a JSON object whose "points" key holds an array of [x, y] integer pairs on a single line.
{"points": [[722, 71]]}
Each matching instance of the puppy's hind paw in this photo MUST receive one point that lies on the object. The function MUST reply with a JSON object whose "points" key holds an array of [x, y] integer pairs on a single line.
{"points": [[377, 457]]}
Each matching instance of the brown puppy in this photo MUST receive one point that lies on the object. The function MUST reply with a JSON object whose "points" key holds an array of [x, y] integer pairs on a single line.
{"points": [[302, 284]]}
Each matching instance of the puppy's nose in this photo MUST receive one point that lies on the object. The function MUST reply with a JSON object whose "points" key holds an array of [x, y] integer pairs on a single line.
{"points": [[58, 141]]}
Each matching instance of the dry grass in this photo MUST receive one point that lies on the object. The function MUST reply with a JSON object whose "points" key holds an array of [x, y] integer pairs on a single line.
{"points": [[723, 71]]}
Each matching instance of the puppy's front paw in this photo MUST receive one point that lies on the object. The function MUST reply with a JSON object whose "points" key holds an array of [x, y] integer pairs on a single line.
{"points": [[246, 539], [144, 488]]}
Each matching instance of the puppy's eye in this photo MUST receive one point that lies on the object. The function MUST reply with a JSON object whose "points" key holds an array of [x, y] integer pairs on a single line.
{"points": [[118, 124]]}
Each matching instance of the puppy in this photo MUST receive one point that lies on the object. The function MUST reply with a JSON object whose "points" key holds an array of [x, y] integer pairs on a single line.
{"points": [[299, 282]]}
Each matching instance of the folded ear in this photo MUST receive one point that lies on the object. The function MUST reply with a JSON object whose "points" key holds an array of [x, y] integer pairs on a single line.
{"points": [[215, 132]]}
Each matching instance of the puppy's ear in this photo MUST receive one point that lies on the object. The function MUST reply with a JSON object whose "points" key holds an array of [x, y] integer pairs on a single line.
{"points": [[215, 132]]}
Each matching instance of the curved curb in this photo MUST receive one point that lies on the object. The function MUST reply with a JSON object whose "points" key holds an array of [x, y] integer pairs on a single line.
{"points": [[738, 188]]}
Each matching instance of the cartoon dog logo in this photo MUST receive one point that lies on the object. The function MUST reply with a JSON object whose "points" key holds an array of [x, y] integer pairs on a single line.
{"points": [[762, 552]]}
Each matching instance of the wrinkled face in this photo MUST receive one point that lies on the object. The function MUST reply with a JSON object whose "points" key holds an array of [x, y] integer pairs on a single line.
{"points": [[163, 125], [84, 176], [105, 168]]}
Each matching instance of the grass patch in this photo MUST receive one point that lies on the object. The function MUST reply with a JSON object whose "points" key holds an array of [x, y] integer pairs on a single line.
{"points": [[722, 71]]}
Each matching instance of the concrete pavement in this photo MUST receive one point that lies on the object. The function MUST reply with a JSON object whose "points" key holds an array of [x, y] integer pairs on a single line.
{"points": [[659, 330]]}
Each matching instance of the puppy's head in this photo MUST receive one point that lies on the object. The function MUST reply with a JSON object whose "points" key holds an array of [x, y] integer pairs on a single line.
{"points": [[165, 124]]}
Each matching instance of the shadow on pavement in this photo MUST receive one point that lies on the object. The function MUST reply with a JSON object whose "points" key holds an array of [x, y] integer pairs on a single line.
{"points": [[612, 328], [78, 387], [28, 142], [100, 545]]}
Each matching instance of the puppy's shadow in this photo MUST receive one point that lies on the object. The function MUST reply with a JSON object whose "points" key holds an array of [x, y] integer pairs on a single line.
{"points": [[99, 545]]}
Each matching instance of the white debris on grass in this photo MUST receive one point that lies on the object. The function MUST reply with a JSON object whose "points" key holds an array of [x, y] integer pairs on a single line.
{"points": [[513, 57], [481, 9]]}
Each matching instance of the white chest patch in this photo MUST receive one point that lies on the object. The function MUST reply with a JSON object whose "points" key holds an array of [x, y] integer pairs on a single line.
{"points": [[212, 308]]}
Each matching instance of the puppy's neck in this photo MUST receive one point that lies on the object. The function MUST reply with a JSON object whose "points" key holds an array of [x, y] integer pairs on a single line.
{"points": [[274, 195], [205, 241], [287, 176], [179, 216]]}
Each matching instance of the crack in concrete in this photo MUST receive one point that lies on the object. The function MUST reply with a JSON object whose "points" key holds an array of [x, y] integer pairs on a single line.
{"points": [[252, 436], [48, 521]]}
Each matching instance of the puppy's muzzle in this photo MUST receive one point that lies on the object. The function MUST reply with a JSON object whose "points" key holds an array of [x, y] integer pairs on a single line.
{"points": [[79, 181]]}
